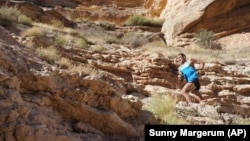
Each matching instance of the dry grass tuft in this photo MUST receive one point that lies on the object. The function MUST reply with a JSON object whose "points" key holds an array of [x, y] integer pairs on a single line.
{"points": [[33, 31], [50, 54], [84, 69], [10, 15], [163, 107], [98, 48], [64, 63]]}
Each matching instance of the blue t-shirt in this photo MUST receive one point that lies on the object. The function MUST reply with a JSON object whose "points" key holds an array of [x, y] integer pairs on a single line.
{"points": [[189, 72]]}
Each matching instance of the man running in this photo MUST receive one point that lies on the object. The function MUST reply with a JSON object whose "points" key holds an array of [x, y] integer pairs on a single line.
{"points": [[188, 71]]}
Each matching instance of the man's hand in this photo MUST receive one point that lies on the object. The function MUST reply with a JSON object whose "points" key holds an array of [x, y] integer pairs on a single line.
{"points": [[200, 72], [180, 77]]}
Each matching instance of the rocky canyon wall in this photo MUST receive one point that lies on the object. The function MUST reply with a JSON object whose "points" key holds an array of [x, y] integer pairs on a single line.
{"points": [[224, 18]]}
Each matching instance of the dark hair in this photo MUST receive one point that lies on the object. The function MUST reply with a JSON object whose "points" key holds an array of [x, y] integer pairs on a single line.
{"points": [[182, 54]]}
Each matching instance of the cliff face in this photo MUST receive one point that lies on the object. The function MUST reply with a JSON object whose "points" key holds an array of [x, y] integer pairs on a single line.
{"points": [[155, 7], [118, 3], [117, 11], [224, 18], [103, 99], [227, 19]]}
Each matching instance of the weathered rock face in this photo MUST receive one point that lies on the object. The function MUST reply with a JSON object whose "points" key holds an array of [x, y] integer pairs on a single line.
{"points": [[182, 18], [39, 102], [155, 7], [38, 14], [118, 3], [115, 11], [224, 18], [96, 10], [46, 3]]}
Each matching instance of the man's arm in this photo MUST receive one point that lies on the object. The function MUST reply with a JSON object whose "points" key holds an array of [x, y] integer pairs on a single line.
{"points": [[180, 75], [194, 61]]}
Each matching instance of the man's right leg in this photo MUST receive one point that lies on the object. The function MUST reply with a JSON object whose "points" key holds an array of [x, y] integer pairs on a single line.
{"points": [[196, 93]]}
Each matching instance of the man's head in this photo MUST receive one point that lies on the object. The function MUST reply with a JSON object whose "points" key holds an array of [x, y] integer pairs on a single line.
{"points": [[181, 58]]}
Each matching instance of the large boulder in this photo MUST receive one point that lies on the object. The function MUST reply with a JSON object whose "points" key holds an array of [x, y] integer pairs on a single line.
{"points": [[224, 18]]}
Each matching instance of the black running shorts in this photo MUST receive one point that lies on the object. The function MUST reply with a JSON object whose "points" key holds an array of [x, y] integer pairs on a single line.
{"points": [[196, 82]]}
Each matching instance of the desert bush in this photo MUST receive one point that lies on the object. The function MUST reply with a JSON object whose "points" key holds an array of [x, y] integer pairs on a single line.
{"points": [[23, 19], [57, 23], [64, 63], [33, 31], [10, 15], [163, 107], [64, 40], [143, 21], [68, 41], [50, 54], [81, 43], [205, 39]]}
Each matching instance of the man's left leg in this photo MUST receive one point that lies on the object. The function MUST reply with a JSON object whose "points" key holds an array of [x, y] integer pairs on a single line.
{"points": [[197, 95]]}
